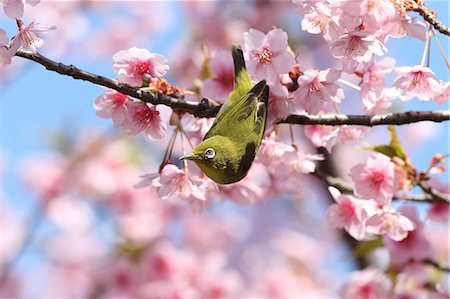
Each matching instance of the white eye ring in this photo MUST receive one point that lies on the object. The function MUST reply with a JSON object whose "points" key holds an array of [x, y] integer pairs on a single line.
{"points": [[210, 153]]}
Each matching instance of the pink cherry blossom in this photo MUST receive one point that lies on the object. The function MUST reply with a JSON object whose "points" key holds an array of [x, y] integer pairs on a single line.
{"points": [[221, 84], [196, 127], [142, 117], [372, 12], [6, 53], [414, 246], [444, 95], [29, 37], [321, 20], [267, 55], [348, 213], [417, 81], [14, 8], [399, 27], [316, 90], [280, 104], [112, 104], [439, 211], [375, 102], [135, 64], [175, 184], [373, 74], [390, 223], [322, 136], [369, 283], [273, 152], [356, 47], [374, 179]]}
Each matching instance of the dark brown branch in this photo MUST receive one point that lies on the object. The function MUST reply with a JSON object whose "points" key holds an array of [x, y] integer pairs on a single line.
{"points": [[435, 194], [429, 16], [370, 120], [204, 109], [436, 265], [431, 195]]}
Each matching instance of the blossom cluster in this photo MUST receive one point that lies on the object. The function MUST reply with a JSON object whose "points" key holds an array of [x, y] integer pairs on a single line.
{"points": [[133, 67]]}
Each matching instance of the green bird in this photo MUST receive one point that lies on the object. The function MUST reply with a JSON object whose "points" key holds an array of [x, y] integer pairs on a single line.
{"points": [[230, 146]]}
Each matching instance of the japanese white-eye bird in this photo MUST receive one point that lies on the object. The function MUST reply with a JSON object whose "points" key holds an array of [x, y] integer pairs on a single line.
{"points": [[229, 147]]}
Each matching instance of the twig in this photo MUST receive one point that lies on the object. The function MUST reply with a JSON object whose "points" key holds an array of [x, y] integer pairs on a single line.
{"points": [[428, 15], [204, 109], [431, 195], [436, 265], [435, 194]]}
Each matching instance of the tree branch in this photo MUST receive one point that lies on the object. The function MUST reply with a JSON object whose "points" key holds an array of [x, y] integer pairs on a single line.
{"points": [[429, 16], [431, 195], [436, 265], [205, 109]]}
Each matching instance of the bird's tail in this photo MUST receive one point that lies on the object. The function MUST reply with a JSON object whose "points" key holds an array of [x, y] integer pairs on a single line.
{"points": [[242, 81]]}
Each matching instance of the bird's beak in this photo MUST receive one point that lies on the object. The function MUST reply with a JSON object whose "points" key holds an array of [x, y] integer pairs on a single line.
{"points": [[190, 156]]}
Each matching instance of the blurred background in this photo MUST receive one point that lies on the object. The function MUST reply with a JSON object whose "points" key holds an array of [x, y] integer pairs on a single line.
{"points": [[72, 225]]}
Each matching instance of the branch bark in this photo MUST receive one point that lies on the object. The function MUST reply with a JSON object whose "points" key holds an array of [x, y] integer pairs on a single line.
{"points": [[205, 109], [431, 195], [429, 16]]}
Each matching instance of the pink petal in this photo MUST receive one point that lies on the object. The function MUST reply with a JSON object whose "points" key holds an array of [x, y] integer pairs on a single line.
{"points": [[13, 8]]}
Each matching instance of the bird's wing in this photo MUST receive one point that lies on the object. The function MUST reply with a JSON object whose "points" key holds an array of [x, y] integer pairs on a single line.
{"points": [[234, 117]]}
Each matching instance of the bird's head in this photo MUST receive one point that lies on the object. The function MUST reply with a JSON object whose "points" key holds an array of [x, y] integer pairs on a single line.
{"points": [[213, 151], [216, 157]]}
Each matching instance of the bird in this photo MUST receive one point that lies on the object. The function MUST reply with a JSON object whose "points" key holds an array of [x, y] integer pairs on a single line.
{"points": [[229, 147]]}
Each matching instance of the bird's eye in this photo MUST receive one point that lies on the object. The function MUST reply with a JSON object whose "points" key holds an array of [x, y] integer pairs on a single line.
{"points": [[210, 153]]}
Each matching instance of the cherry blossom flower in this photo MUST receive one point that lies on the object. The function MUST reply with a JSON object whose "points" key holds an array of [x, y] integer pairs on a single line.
{"points": [[417, 81], [112, 104], [135, 64], [221, 84], [175, 184], [444, 96], [142, 117], [272, 152], [414, 246], [373, 73], [196, 128], [348, 213], [280, 104], [5, 53], [356, 47], [378, 102], [317, 89], [322, 136], [439, 211], [390, 223], [374, 179], [399, 27], [29, 37], [267, 55], [369, 283], [14, 8], [321, 20]]}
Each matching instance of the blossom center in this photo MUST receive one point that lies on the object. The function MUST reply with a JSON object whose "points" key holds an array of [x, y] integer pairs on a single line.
{"points": [[315, 85], [347, 209], [119, 99], [265, 55], [417, 78], [353, 44], [377, 178], [142, 67], [143, 115], [366, 290]]}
